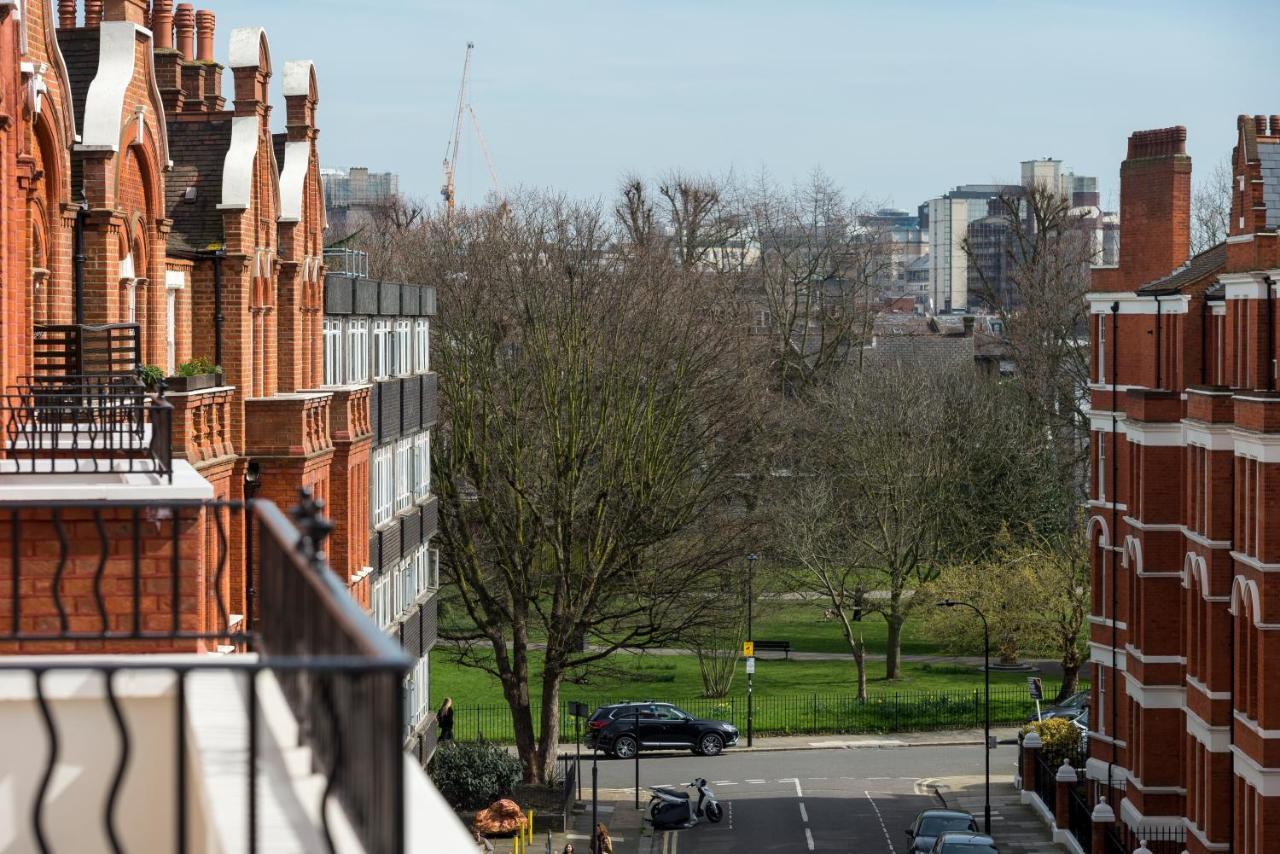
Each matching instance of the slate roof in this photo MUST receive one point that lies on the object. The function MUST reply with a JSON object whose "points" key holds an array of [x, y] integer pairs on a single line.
{"points": [[933, 351], [1269, 156], [198, 150], [1207, 263], [277, 142]]}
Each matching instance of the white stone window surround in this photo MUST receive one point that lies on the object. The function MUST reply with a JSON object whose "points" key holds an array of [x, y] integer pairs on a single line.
{"points": [[174, 281]]}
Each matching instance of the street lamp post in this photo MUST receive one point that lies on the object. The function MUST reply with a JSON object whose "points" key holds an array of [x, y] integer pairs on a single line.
{"points": [[751, 566], [986, 679]]}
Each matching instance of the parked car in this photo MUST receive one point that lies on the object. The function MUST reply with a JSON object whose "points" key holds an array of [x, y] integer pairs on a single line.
{"points": [[1070, 708], [964, 842], [930, 824], [662, 726]]}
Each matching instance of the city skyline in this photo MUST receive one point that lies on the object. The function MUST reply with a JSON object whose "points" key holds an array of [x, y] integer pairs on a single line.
{"points": [[570, 99]]}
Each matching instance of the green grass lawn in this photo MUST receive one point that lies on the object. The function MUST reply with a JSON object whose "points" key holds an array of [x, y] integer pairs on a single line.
{"points": [[627, 675], [803, 624]]}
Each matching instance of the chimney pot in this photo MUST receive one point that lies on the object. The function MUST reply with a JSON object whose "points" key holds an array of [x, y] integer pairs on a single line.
{"points": [[92, 13], [184, 24], [162, 23], [1260, 125], [67, 14], [1275, 125], [204, 35]]}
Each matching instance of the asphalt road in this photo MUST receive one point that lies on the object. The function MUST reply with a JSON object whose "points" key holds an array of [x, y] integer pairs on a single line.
{"points": [[858, 800]]}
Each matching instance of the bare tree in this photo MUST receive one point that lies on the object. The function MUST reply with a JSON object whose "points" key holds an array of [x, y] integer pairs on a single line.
{"points": [[901, 471], [595, 412], [811, 271], [692, 217], [815, 543], [1048, 253], [1211, 208]]}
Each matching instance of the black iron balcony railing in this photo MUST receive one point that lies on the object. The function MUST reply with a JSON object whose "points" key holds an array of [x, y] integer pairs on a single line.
{"points": [[81, 424], [83, 578], [79, 349]]}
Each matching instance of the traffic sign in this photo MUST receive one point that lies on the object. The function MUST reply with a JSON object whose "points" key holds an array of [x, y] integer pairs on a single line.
{"points": [[751, 665], [1035, 687], [578, 710], [748, 649]]}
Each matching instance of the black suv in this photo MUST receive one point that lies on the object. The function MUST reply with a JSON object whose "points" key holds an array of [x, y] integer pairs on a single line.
{"points": [[613, 730]]}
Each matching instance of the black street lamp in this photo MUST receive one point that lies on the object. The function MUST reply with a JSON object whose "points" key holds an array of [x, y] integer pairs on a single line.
{"points": [[751, 566], [986, 678]]}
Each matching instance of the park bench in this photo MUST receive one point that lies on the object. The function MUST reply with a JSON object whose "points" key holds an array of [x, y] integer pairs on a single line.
{"points": [[774, 646]]}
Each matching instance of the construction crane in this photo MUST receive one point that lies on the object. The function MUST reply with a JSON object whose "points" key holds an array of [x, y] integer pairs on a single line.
{"points": [[451, 148]]}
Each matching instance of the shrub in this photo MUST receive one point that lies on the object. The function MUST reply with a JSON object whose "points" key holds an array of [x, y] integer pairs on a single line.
{"points": [[197, 367], [474, 774], [1060, 736], [151, 374]]}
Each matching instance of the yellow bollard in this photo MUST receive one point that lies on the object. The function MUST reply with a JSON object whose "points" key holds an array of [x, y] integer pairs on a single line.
{"points": [[529, 827]]}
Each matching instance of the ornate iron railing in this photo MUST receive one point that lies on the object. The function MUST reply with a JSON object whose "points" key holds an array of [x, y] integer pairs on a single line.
{"points": [[85, 424], [119, 578], [1080, 817]]}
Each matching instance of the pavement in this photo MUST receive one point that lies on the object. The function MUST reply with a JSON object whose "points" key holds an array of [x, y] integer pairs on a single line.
{"points": [[859, 796]]}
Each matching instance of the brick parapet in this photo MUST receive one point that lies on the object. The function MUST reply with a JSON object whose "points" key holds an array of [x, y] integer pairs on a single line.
{"points": [[288, 425]]}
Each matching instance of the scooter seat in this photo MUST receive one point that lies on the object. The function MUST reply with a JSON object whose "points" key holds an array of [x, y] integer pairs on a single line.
{"points": [[675, 793]]}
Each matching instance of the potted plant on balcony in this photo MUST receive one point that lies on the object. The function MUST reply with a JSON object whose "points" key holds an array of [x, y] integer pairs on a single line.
{"points": [[151, 376], [199, 373]]}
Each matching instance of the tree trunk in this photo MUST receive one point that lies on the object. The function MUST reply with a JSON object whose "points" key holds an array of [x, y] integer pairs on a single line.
{"points": [[1070, 675], [549, 741], [858, 649], [893, 646]]}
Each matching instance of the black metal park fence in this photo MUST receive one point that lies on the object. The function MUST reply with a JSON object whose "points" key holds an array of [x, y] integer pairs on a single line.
{"points": [[793, 714]]}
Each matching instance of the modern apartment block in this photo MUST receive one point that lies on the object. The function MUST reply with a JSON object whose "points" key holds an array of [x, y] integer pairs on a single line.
{"points": [[148, 220], [1185, 504], [380, 333], [352, 195], [947, 220]]}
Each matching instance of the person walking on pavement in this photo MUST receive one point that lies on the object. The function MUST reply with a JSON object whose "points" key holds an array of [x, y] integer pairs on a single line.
{"points": [[603, 844], [445, 719]]}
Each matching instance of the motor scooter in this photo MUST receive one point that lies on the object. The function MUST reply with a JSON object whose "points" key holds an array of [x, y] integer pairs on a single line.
{"points": [[672, 809]]}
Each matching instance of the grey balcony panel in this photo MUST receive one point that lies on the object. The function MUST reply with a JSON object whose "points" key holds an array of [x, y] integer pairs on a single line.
{"points": [[430, 513], [390, 555], [339, 294], [366, 298], [411, 403], [411, 635], [427, 304], [389, 426], [388, 299], [427, 410], [409, 300], [375, 411], [430, 622], [410, 532]]}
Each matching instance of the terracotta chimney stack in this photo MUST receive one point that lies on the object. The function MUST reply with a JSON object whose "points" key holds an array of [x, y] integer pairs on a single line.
{"points": [[1275, 125], [184, 24], [1260, 125], [133, 11], [67, 14], [204, 35], [1155, 205], [162, 23], [92, 13]]}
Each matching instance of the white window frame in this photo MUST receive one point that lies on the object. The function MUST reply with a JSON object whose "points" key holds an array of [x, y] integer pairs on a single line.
{"points": [[170, 327], [357, 350], [382, 496], [402, 348], [1102, 466], [421, 345], [422, 466], [334, 336], [381, 349], [1102, 348], [403, 475]]}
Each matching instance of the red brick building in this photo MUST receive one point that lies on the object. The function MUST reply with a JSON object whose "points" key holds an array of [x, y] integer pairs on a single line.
{"points": [[137, 195], [1185, 503]]}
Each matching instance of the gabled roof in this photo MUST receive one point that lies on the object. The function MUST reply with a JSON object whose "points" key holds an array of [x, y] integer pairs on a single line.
{"points": [[199, 152], [1197, 268]]}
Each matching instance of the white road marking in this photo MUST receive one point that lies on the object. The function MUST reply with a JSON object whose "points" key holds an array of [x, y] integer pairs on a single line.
{"points": [[819, 778], [804, 815], [722, 782], [880, 818], [808, 838], [726, 783], [754, 781]]}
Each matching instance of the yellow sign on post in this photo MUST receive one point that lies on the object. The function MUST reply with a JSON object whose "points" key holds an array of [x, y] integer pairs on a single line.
{"points": [[748, 649]]}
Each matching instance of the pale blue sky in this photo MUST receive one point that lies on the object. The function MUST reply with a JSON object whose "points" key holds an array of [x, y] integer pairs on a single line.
{"points": [[897, 101]]}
